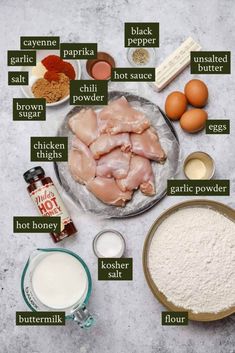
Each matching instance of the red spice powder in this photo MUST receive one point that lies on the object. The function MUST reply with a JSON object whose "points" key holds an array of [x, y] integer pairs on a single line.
{"points": [[53, 63], [68, 70], [52, 76]]}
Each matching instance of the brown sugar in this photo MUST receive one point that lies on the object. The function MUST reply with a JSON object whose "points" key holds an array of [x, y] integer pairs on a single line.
{"points": [[52, 91]]}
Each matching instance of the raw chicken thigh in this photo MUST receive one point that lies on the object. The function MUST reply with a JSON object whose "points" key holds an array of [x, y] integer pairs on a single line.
{"points": [[82, 166], [114, 164], [106, 190], [111, 152], [119, 116], [84, 125], [148, 145], [140, 175], [106, 143]]}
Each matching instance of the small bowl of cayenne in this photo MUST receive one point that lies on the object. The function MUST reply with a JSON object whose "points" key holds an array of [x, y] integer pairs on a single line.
{"points": [[101, 67]]}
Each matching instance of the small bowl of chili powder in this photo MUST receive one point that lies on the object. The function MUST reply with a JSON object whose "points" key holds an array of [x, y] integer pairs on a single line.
{"points": [[50, 78]]}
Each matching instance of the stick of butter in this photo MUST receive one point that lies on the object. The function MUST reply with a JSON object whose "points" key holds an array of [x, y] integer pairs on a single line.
{"points": [[174, 63]]}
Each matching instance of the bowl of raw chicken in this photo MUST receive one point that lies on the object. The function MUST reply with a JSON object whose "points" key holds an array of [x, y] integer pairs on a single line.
{"points": [[120, 155]]}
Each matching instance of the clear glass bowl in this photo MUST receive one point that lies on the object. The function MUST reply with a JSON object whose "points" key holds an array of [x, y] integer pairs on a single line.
{"points": [[78, 312], [151, 60]]}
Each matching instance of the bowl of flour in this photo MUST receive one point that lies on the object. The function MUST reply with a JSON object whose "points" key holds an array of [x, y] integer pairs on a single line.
{"points": [[189, 259]]}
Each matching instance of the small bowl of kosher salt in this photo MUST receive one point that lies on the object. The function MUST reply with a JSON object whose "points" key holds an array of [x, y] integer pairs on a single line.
{"points": [[109, 243], [50, 78]]}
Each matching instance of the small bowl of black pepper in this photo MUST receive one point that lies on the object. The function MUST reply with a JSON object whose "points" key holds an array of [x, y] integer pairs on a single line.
{"points": [[142, 57]]}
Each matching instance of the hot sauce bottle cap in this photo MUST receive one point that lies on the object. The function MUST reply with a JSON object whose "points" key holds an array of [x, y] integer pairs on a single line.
{"points": [[33, 173]]}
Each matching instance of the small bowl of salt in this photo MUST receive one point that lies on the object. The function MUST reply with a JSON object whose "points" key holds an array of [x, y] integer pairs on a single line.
{"points": [[109, 243]]}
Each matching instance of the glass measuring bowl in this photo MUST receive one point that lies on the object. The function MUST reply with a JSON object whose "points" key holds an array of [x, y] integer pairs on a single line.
{"points": [[77, 312]]}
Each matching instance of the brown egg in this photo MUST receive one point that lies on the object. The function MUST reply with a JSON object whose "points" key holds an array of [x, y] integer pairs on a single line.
{"points": [[193, 120], [175, 105], [196, 93]]}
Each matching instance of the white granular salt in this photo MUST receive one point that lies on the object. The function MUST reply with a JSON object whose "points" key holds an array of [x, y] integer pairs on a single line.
{"points": [[192, 260]]}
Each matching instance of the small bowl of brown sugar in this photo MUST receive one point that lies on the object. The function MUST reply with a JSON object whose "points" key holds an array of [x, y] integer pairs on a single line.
{"points": [[52, 91], [142, 57]]}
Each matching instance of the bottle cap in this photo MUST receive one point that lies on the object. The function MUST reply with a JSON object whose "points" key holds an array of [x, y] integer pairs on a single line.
{"points": [[33, 173]]}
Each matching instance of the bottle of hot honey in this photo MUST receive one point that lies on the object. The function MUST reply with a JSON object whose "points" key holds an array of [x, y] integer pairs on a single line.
{"points": [[48, 201]]}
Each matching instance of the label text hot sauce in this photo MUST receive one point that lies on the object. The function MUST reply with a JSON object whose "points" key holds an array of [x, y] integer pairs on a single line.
{"points": [[48, 201]]}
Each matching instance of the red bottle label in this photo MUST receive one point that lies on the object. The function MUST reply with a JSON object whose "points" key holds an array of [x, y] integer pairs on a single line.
{"points": [[49, 203]]}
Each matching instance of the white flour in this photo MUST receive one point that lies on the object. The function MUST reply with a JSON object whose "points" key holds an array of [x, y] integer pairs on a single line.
{"points": [[192, 260]]}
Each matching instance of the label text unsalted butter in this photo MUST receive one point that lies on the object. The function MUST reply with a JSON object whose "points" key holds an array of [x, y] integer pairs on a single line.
{"points": [[210, 62]]}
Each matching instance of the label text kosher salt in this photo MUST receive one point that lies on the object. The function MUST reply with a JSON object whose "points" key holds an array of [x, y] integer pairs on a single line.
{"points": [[115, 269]]}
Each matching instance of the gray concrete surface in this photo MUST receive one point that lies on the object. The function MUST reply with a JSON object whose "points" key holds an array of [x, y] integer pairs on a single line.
{"points": [[128, 316]]}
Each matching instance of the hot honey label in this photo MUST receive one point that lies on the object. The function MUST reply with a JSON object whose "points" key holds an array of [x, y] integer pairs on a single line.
{"points": [[49, 203]]}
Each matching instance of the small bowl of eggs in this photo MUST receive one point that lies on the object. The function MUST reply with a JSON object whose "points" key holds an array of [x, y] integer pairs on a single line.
{"points": [[195, 94]]}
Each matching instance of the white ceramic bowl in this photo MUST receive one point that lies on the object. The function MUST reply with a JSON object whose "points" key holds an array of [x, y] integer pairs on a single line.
{"points": [[41, 54]]}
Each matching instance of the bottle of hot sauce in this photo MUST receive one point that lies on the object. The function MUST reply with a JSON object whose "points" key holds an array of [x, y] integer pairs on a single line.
{"points": [[48, 201]]}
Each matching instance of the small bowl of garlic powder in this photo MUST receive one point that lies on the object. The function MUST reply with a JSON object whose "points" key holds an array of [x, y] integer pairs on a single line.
{"points": [[199, 166], [142, 57]]}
